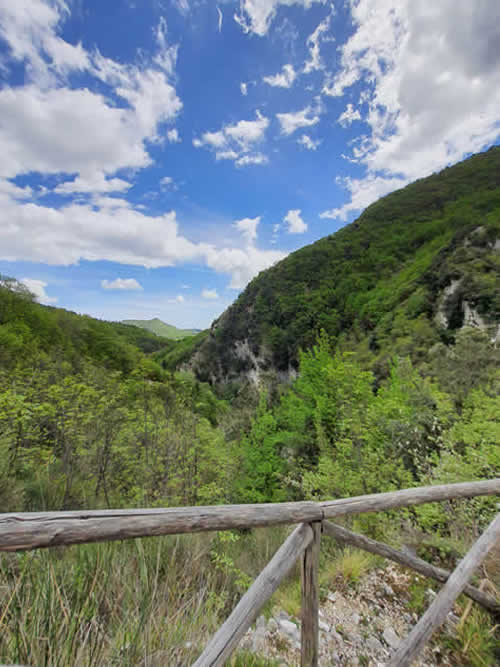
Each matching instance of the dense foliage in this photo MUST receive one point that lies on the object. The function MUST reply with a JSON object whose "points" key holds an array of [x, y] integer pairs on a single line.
{"points": [[378, 280], [395, 387], [161, 328]]}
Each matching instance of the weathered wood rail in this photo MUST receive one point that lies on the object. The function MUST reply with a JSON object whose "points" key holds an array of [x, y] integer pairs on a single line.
{"points": [[35, 530]]}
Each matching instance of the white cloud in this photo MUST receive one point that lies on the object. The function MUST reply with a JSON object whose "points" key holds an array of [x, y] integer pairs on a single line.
{"points": [[313, 42], [168, 183], [219, 22], [256, 16], [178, 299], [283, 79], [236, 142], [349, 115], [363, 192], [430, 76], [95, 182], [114, 232], [121, 284], [256, 158], [244, 88], [37, 288], [49, 127], [209, 294], [173, 136], [306, 141], [248, 228], [29, 29], [292, 121], [242, 264], [296, 224]]}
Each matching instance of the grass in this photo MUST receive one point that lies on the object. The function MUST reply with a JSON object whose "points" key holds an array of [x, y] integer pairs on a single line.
{"points": [[143, 602]]}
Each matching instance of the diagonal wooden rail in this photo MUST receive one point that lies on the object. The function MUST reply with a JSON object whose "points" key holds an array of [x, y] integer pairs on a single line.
{"points": [[35, 530]]}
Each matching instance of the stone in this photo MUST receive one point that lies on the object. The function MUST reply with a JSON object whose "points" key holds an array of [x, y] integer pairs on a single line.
{"points": [[261, 622], [355, 618], [323, 626], [331, 597], [388, 590], [272, 625], [289, 629], [282, 615], [373, 644], [259, 640], [390, 637]]}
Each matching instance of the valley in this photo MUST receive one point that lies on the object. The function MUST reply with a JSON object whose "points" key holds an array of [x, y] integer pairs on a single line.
{"points": [[366, 362]]}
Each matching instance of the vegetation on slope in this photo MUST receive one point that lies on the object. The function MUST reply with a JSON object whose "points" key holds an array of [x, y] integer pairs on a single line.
{"points": [[376, 281], [160, 328], [92, 416]]}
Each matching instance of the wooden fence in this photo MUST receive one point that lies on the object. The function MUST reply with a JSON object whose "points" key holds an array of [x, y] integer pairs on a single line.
{"points": [[35, 530]]}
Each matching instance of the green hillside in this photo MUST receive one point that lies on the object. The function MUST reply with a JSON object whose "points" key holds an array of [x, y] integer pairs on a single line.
{"points": [[391, 325], [162, 329], [379, 282]]}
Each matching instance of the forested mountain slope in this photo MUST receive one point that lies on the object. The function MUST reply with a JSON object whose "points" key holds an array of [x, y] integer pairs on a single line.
{"points": [[414, 267], [161, 328]]}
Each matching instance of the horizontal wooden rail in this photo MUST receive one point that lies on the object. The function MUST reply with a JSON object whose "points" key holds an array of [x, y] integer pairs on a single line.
{"points": [[378, 502], [34, 530], [244, 614], [361, 542], [443, 603]]}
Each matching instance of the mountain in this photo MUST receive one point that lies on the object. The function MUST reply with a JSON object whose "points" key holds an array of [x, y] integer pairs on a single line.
{"points": [[161, 328], [409, 272], [29, 330]]}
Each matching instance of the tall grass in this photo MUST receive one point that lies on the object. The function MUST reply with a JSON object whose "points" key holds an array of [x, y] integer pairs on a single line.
{"points": [[143, 602]]}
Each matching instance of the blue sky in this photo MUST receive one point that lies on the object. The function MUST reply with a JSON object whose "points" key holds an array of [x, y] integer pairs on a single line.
{"points": [[157, 154]]}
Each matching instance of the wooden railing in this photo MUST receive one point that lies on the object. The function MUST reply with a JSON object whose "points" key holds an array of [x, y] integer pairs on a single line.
{"points": [[35, 530]]}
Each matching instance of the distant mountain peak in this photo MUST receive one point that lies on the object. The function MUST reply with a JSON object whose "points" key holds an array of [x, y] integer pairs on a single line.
{"points": [[161, 328]]}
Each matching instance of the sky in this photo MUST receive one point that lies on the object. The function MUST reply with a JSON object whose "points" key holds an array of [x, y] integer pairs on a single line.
{"points": [[158, 154]]}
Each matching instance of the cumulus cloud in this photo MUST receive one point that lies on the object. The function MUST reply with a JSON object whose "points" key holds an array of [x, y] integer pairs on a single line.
{"points": [[430, 77], [296, 224], [178, 299], [292, 121], [256, 16], [94, 183], [283, 79], [121, 284], [244, 88], [349, 115], [248, 228], [209, 294], [237, 142], [49, 127], [110, 229], [363, 192], [37, 288], [173, 136], [306, 141]]}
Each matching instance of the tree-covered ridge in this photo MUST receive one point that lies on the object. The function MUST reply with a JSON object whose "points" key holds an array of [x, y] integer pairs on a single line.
{"points": [[28, 329], [160, 328], [378, 279]]}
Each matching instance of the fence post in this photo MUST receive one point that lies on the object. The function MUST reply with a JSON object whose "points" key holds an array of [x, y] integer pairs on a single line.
{"points": [[309, 647]]}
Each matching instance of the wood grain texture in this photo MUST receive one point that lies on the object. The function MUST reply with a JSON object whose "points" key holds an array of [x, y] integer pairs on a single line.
{"points": [[425, 494], [46, 529], [309, 648], [34, 530], [228, 636], [361, 542], [443, 603]]}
